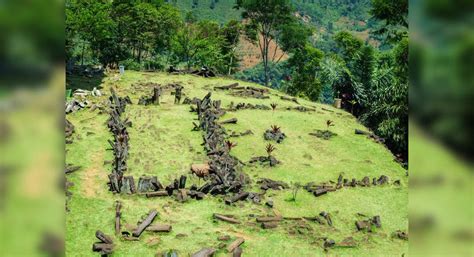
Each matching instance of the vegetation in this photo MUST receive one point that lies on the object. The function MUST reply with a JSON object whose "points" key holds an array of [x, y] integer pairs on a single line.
{"points": [[149, 35], [329, 123], [269, 149], [164, 145], [266, 20], [294, 190]]}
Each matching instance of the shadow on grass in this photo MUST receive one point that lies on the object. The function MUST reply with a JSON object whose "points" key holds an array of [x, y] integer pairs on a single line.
{"points": [[75, 81]]}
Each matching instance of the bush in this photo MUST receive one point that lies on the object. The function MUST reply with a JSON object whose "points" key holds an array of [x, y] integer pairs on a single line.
{"points": [[131, 64], [157, 63], [278, 74]]}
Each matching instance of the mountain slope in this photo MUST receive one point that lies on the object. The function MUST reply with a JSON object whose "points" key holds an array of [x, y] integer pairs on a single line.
{"points": [[162, 143]]}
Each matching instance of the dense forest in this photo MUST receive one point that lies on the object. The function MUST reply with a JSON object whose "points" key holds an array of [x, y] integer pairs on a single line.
{"points": [[353, 50]]}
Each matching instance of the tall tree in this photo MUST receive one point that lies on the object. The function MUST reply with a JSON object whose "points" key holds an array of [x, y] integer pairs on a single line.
{"points": [[395, 15], [231, 35], [305, 62], [265, 18]]}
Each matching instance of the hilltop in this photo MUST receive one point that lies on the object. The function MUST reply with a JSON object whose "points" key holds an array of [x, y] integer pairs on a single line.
{"points": [[163, 144]]}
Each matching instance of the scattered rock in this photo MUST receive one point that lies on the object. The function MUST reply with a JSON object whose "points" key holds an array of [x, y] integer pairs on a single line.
{"points": [[237, 252], [274, 134], [323, 134], [366, 225], [400, 235], [326, 216], [292, 99], [266, 183], [328, 243], [205, 252], [269, 203], [235, 244], [265, 160], [223, 238]]}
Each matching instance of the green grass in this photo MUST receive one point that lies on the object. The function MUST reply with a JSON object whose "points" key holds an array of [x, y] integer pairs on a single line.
{"points": [[163, 144]]}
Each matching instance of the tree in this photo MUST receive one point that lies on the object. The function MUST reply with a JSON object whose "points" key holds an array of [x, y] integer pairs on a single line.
{"points": [[145, 25], [185, 44], [305, 62], [205, 44], [393, 12], [231, 35], [90, 21], [348, 45], [265, 18], [294, 190], [395, 15]]}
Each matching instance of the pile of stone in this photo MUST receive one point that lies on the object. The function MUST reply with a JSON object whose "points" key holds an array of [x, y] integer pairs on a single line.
{"points": [[326, 187], [253, 92], [68, 131], [84, 93], [265, 160], [249, 106], [120, 143], [204, 72], [105, 246], [241, 134], [193, 101], [223, 177], [370, 135], [301, 108], [400, 235], [75, 105], [266, 183], [292, 99], [245, 91], [323, 134], [368, 224], [173, 70], [274, 134]]}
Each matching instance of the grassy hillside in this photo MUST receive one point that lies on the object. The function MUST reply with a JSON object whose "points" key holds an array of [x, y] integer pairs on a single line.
{"points": [[162, 144]]}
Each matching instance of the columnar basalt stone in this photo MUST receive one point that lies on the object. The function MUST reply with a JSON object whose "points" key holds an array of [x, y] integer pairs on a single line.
{"points": [[223, 177], [244, 106], [178, 94], [120, 143], [68, 131], [266, 183], [105, 246], [148, 184], [319, 189]]}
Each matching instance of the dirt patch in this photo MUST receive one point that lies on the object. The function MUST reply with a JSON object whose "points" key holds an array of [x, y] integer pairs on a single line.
{"points": [[242, 235], [94, 176]]}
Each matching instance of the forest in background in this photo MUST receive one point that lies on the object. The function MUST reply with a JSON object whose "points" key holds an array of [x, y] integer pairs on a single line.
{"points": [[327, 58]]}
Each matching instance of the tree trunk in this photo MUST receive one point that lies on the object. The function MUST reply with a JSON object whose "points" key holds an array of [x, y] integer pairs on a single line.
{"points": [[266, 44], [82, 54], [230, 65]]}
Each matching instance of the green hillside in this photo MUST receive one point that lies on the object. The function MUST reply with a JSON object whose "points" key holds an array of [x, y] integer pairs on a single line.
{"points": [[222, 12], [326, 17], [163, 144]]}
